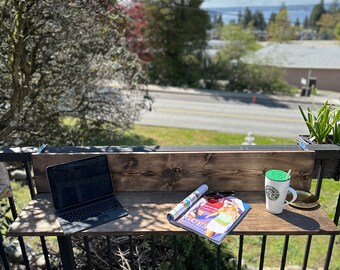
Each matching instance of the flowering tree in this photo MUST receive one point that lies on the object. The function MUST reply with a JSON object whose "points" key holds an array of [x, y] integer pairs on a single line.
{"points": [[65, 59]]}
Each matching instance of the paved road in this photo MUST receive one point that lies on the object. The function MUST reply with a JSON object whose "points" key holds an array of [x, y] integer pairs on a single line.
{"points": [[220, 113]]}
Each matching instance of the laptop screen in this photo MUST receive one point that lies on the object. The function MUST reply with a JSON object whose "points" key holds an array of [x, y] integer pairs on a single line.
{"points": [[79, 181]]}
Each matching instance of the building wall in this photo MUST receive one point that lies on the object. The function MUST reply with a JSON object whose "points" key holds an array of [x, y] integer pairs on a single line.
{"points": [[326, 79]]}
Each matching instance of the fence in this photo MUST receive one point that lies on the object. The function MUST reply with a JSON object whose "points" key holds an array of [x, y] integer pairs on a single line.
{"points": [[23, 155]]}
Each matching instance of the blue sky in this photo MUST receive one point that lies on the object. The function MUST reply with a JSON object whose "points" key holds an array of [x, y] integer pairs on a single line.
{"points": [[241, 3]]}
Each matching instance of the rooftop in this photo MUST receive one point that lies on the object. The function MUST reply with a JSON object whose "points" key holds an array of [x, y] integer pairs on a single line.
{"points": [[294, 55]]}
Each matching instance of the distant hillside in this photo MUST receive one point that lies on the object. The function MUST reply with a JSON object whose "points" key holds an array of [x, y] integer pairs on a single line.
{"points": [[294, 11]]}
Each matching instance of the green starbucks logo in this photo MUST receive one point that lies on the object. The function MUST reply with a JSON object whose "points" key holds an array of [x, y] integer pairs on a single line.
{"points": [[272, 193]]}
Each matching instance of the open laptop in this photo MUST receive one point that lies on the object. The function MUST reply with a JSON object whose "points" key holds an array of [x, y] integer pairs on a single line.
{"points": [[82, 194]]}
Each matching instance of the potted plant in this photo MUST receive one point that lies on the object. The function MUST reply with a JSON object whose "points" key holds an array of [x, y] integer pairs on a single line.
{"points": [[323, 138], [320, 126], [336, 133]]}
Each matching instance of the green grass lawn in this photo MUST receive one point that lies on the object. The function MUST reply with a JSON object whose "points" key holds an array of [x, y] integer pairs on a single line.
{"points": [[148, 135]]}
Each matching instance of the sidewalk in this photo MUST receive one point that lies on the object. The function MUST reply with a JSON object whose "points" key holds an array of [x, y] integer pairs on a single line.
{"points": [[320, 98]]}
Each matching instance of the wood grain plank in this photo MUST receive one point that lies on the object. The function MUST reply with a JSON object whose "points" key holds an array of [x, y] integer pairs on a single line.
{"points": [[184, 171], [147, 215]]}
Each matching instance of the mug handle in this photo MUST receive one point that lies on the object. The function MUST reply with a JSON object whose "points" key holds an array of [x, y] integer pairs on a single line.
{"points": [[291, 190]]}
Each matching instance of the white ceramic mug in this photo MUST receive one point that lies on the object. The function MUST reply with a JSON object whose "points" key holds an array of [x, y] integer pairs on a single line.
{"points": [[276, 188]]}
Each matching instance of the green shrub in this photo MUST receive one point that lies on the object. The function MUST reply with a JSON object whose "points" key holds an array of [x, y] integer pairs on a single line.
{"points": [[257, 77]]}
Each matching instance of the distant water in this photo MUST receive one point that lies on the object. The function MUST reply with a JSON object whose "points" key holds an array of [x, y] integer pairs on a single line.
{"points": [[294, 12]]}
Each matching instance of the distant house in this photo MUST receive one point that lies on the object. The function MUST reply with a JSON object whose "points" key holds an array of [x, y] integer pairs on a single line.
{"points": [[320, 58]]}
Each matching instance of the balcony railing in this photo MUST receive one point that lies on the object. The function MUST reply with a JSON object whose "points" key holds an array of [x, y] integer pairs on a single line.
{"points": [[66, 244]]}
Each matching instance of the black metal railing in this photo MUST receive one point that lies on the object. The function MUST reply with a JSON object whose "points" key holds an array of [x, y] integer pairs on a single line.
{"points": [[67, 259]]}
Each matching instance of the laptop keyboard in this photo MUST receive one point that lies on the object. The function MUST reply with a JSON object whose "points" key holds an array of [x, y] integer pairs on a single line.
{"points": [[92, 210]]}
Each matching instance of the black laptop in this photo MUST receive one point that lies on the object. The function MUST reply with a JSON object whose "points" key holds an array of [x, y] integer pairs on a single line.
{"points": [[82, 194]]}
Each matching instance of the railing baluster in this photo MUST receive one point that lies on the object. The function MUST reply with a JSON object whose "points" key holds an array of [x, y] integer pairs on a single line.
{"points": [[263, 251], [240, 253], [319, 179], [66, 252], [305, 259], [109, 252], [20, 238], [29, 178], [88, 251], [132, 263], [174, 246], [332, 238], [329, 252], [218, 257], [284, 253], [153, 248], [3, 254], [45, 252], [32, 192]]}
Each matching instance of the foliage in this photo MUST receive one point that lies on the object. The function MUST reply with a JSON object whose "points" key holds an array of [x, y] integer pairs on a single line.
{"points": [[54, 59], [305, 23], [337, 31], [5, 220], [281, 30], [321, 125], [238, 43], [336, 132], [187, 257], [259, 22], [216, 26], [258, 77], [327, 25], [334, 7], [252, 20], [316, 14], [229, 65], [176, 33], [135, 32], [272, 18], [297, 23], [247, 17]]}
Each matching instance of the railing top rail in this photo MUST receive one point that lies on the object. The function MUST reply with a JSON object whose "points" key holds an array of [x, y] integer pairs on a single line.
{"points": [[8, 154]]}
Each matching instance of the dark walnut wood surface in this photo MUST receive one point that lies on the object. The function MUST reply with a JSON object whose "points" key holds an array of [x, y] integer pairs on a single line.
{"points": [[147, 215], [185, 171]]}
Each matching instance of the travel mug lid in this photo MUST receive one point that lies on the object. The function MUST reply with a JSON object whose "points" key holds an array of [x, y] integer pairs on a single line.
{"points": [[277, 175]]}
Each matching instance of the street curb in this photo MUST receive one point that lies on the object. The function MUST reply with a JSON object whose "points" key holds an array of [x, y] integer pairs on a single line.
{"points": [[252, 97]]}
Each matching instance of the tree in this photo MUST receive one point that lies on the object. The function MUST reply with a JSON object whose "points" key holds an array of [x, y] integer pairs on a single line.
{"points": [[239, 17], [218, 21], [238, 43], [305, 23], [232, 66], [176, 34], [297, 23], [327, 24], [334, 7], [247, 17], [337, 31], [259, 22], [55, 57], [217, 24], [316, 14], [135, 31], [281, 30], [272, 18]]}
